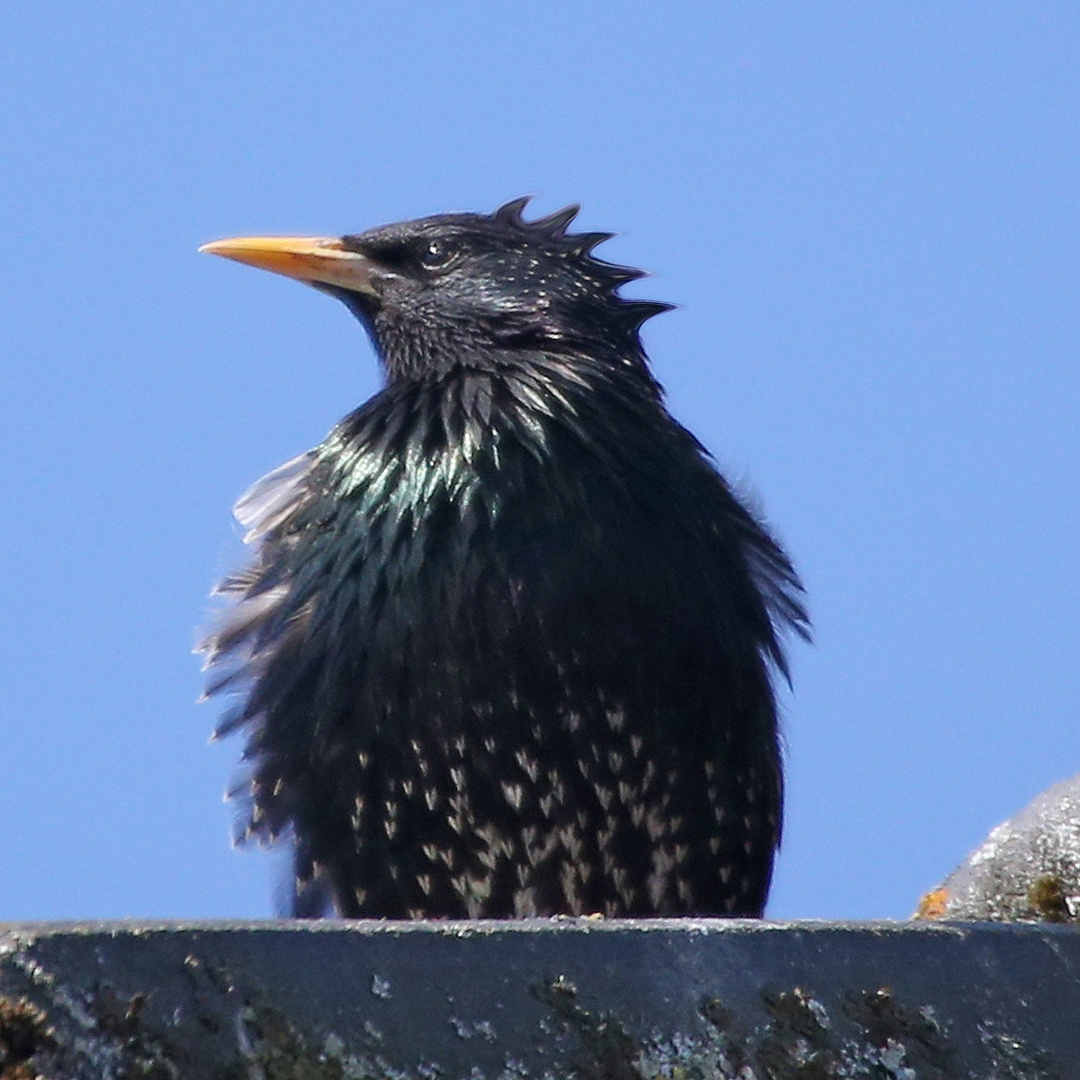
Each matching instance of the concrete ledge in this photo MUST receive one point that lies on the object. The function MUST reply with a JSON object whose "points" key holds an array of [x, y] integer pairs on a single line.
{"points": [[564, 999]]}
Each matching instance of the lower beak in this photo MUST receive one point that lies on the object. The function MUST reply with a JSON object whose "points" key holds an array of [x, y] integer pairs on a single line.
{"points": [[317, 260]]}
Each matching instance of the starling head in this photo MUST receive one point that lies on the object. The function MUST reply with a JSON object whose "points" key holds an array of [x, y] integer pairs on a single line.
{"points": [[455, 288]]}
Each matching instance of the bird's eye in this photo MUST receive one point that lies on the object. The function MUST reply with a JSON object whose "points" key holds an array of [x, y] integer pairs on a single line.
{"points": [[436, 253]]}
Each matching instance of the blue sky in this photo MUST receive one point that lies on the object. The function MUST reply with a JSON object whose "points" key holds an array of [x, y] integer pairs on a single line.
{"points": [[869, 214]]}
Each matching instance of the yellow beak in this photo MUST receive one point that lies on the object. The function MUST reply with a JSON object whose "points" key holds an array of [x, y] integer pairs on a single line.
{"points": [[318, 260]]}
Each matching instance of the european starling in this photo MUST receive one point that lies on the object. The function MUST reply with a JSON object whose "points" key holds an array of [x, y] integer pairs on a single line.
{"points": [[507, 643]]}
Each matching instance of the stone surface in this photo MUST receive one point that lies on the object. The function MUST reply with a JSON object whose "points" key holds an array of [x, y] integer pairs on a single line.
{"points": [[565, 999], [1027, 869]]}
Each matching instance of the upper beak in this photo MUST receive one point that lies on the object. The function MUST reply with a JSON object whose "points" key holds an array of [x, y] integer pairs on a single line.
{"points": [[318, 260]]}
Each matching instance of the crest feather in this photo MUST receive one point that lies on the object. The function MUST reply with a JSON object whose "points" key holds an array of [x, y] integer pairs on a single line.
{"points": [[583, 243], [510, 213], [554, 225], [635, 312], [552, 229]]}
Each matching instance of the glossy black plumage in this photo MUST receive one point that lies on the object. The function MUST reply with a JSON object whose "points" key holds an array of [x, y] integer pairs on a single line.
{"points": [[506, 644]]}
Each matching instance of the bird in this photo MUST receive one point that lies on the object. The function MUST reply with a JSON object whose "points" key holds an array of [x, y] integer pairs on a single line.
{"points": [[508, 642]]}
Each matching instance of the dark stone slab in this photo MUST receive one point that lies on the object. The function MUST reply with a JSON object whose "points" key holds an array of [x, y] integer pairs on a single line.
{"points": [[565, 999]]}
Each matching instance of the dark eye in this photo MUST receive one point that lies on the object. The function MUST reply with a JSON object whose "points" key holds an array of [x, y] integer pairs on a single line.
{"points": [[436, 253]]}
